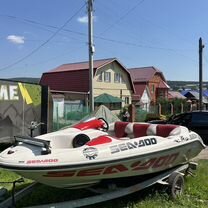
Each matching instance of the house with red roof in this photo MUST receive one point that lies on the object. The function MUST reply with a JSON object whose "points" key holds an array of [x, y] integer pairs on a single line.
{"points": [[149, 81], [110, 77], [175, 94]]}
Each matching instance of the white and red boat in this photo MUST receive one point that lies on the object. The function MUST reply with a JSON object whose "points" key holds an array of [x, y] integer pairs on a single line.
{"points": [[93, 151]]}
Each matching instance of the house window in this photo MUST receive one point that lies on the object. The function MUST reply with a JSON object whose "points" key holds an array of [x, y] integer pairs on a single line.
{"points": [[107, 77], [100, 77], [117, 77], [126, 100], [161, 94], [122, 79]]}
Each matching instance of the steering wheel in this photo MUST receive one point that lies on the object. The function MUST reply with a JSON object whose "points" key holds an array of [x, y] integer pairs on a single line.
{"points": [[105, 125]]}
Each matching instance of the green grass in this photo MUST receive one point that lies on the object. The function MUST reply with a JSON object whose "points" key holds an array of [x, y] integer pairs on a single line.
{"points": [[8, 178], [195, 194]]}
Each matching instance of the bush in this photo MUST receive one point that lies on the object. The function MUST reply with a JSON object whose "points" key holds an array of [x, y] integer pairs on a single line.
{"points": [[152, 116], [175, 103]]}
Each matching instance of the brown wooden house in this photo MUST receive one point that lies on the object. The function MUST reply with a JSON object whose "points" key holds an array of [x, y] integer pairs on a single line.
{"points": [[153, 79]]}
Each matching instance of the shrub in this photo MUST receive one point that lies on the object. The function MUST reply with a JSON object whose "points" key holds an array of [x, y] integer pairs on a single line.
{"points": [[152, 116]]}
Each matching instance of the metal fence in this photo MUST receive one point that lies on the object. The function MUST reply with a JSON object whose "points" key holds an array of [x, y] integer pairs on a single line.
{"points": [[157, 110], [68, 115]]}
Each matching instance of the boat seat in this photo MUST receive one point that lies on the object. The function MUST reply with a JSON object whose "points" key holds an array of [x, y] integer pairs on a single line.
{"points": [[165, 130], [119, 129], [132, 130], [140, 130]]}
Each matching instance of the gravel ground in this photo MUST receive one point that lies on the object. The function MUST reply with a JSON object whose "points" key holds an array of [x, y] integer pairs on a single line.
{"points": [[202, 155]]}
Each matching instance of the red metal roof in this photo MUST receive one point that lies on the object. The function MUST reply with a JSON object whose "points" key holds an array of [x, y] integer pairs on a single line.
{"points": [[144, 74], [81, 65], [163, 85], [139, 88], [175, 94]]}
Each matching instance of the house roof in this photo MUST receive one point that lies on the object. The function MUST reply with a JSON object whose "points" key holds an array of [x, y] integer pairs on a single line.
{"points": [[175, 94], [81, 65], [205, 93], [140, 89], [183, 92], [106, 98], [163, 85], [144, 74], [195, 95]]}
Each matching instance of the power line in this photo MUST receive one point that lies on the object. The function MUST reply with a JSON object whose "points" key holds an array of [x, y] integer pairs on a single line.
{"points": [[24, 20], [132, 9], [44, 43], [134, 44], [96, 36], [83, 34], [122, 17], [41, 24]]}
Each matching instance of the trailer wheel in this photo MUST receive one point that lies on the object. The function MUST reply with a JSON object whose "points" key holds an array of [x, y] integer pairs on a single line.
{"points": [[176, 185]]}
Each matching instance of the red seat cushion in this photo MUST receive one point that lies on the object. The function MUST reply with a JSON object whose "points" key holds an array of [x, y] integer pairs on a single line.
{"points": [[140, 130], [164, 130], [119, 129]]}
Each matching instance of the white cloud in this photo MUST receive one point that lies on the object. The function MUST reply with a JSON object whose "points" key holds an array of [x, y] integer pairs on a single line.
{"points": [[84, 19], [16, 39]]}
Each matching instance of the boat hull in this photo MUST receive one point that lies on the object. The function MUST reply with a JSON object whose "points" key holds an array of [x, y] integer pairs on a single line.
{"points": [[141, 164]]}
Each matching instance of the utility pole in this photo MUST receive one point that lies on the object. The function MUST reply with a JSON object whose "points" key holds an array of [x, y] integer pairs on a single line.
{"points": [[201, 46], [91, 52]]}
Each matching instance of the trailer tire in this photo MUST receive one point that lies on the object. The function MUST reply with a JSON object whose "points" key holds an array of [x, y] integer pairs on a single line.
{"points": [[176, 185]]}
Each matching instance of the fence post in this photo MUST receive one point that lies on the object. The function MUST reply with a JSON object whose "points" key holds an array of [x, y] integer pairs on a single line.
{"points": [[171, 108], [57, 118], [182, 108], [159, 109], [132, 112]]}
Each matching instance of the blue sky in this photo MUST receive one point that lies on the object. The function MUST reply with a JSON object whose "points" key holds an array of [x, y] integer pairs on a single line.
{"points": [[34, 36]]}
